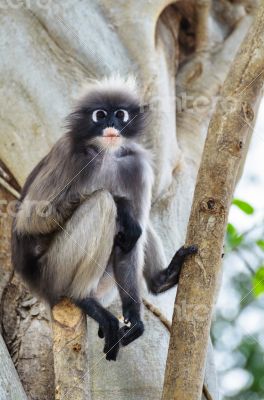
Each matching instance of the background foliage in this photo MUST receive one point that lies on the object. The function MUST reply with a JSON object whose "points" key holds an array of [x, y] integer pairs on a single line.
{"points": [[238, 326]]}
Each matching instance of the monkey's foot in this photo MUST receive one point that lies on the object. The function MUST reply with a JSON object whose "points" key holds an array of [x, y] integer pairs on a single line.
{"points": [[111, 334], [100, 332], [169, 277], [130, 333], [180, 255]]}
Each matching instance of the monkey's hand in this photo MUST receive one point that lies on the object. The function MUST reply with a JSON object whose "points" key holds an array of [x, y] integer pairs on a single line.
{"points": [[169, 277], [111, 334], [128, 334], [127, 238], [130, 230]]}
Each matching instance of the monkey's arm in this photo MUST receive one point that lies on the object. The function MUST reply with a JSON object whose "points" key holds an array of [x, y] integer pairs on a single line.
{"points": [[158, 277], [56, 187], [46, 216], [130, 230], [126, 272]]}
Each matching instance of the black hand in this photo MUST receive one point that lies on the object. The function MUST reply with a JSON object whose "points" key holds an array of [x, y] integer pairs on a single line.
{"points": [[127, 239], [130, 230]]}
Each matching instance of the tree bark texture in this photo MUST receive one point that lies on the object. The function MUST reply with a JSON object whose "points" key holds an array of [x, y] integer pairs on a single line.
{"points": [[48, 51], [69, 351], [224, 149], [10, 385]]}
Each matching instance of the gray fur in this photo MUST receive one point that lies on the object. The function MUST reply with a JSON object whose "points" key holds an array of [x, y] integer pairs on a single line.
{"points": [[82, 228], [83, 216]]}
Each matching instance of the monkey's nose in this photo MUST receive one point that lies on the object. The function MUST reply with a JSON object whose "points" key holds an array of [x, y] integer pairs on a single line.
{"points": [[110, 132]]}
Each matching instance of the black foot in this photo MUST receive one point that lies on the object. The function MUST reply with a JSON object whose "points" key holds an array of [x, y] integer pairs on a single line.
{"points": [[169, 277], [108, 325], [111, 334], [129, 334], [100, 332], [185, 251], [131, 313]]}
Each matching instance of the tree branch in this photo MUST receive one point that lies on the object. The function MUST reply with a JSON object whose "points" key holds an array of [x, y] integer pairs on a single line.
{"points": [[70, 352], [9, 188], [224, 149], [156, 311]]}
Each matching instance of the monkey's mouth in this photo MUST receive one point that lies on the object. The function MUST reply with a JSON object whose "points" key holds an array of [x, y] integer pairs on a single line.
{"points": [[111, 138], [111, 133]]}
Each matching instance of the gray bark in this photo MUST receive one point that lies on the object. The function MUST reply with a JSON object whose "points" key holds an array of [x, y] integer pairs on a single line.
{"points": [[10, 385], [47, 54]]}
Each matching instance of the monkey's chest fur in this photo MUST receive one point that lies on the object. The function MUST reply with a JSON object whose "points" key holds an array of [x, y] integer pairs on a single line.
{"points": [[125, 173]]}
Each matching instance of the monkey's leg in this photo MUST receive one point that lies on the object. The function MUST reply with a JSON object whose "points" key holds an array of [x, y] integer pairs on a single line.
{"points": [[79, 254], [127, 269], [130, 230], [158, 278], [169, 277], [108, 325], [78, 257]]}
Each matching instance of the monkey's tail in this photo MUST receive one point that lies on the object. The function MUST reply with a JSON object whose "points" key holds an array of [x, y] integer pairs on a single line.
{"points": [[156, 311]]}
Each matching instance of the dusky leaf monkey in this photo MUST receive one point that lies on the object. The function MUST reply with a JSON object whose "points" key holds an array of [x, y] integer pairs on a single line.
{"points": [[82, 227]]}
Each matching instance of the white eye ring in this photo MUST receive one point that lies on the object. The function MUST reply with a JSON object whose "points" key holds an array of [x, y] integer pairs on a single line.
{"points": [[98, 114], [125, 115]]}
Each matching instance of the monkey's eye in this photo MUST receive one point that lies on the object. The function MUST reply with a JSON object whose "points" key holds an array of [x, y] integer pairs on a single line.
{"points": [[122, 114], [98, 114]]}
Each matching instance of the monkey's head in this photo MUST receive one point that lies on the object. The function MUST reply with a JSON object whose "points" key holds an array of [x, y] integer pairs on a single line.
{"points": [[109, 114]]}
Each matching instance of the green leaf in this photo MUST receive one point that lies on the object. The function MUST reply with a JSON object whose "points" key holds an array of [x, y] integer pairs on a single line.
{"points": [[258, 282], [243, 206], [231, 230], [260, 243], [234, 239]]}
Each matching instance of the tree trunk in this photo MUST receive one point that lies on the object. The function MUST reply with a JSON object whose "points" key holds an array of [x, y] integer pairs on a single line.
{"points": [[10, 385], [49, 49], [224, 149]]}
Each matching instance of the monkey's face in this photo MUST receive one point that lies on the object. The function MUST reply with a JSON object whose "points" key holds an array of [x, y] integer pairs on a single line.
{"points": [[113, 125], [107, 119]]}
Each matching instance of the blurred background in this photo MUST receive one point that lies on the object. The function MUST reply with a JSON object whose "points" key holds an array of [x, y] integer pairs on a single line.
{"points": [[237, 331]]}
